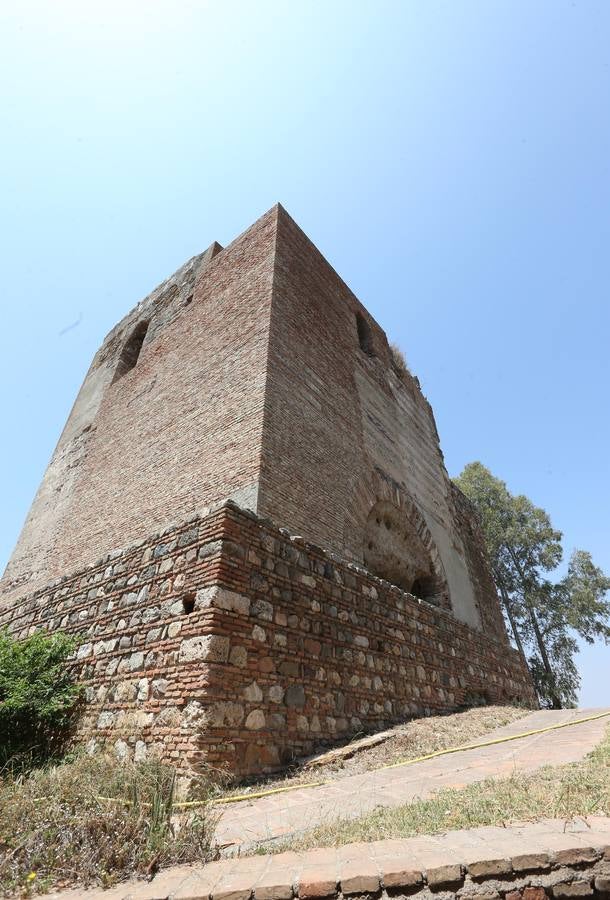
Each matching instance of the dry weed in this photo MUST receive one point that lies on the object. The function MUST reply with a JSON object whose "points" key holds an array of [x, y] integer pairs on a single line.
{"points": [[570, 791], [56, 830]]}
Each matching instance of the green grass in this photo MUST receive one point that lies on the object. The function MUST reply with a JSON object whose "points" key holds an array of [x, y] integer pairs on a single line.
{"points": [[577, 789], [56, 829]]}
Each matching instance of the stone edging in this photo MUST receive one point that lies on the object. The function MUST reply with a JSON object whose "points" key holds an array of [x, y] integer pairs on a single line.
{"points": [[550, 859], [528, 862]]}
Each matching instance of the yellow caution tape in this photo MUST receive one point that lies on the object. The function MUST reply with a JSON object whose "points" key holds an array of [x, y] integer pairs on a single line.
{"points": [[238, 798], [404, 762]]}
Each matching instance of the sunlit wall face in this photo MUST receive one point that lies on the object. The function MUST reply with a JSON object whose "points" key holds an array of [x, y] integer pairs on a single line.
{"points": [[450, 158]]}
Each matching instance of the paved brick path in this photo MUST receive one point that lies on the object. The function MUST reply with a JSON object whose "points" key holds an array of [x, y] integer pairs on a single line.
{"points": [[358, 868], [401, 865], [270, 818]]}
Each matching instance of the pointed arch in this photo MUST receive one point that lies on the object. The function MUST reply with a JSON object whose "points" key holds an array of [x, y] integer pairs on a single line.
{"points": [[396, 543]]}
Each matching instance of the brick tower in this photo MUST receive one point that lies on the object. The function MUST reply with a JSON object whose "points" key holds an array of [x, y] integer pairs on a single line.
{"points": [[248, 518]]}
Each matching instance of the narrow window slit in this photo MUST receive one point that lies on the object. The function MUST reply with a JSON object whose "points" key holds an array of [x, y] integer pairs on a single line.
{"points": [[131, 350], [365, 336]]}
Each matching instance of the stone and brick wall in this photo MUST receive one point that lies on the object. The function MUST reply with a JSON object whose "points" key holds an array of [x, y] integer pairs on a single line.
{"points": [[178, 432], [254, 375], [226, 641], [261, 378], [536, 861]]}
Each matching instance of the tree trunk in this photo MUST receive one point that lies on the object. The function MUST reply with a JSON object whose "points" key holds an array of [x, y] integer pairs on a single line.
{"points": [[555, 700], [509, 612]]}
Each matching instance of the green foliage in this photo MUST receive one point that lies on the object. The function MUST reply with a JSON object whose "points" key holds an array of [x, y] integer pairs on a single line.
{"points": [[38, 695], [544, 615]]}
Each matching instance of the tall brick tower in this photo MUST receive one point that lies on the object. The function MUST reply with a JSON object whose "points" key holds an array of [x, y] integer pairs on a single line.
{"points": [[248, 400]]}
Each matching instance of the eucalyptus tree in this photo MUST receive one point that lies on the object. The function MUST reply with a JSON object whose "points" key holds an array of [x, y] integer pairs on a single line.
{"points": [[544, 614]]}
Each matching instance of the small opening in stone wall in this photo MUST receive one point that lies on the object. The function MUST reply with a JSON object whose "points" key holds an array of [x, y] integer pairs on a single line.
{"points": [[424, 588], [365, 336], [188, 300], [188, 602], [131, 350]]}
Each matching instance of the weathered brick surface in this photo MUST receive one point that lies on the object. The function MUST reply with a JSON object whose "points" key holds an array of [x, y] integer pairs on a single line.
{"points": [[178, 432], [344, 430], [262, 379], [490, 868], [444, 876], [285, 646], [254, 382]]}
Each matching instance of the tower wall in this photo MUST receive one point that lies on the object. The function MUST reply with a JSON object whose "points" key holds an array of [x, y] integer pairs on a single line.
{"points": [[179, 431], [344, 428], [253, 376], [223, 641]]}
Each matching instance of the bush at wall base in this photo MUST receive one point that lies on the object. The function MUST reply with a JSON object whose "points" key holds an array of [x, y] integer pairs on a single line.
{"points": [[38, 696]]}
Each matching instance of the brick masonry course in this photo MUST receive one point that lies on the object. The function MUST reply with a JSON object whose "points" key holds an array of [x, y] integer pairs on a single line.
{"points": [[477, 863], [253, 375], [226, 641]]}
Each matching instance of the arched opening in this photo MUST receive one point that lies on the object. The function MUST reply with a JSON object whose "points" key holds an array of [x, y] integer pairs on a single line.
{"points": [[424, 588], [395, 550], [131, 350], [365, 336]]}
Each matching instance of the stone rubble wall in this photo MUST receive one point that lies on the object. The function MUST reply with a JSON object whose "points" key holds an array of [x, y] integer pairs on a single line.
{"points": [[578, 872], [224, 640], [319, 649], [142, 657]]}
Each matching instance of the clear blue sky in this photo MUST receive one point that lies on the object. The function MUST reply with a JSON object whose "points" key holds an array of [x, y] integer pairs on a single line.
{"points": [[451, 160]]}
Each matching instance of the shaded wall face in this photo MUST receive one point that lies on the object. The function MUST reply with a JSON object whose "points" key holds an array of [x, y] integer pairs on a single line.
{"points": [[395, 551], [341, 423], [176, 432]]}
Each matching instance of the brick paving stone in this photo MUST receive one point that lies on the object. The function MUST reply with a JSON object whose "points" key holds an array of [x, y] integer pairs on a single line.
{"points": [[565, 841], [489, 868], [358, 878], [355, 795], [527, 862], [358, 871], [275, 884], [441, 876], [395, 862], [576, 857], [317, 881], [398, 874], [237, 884]]}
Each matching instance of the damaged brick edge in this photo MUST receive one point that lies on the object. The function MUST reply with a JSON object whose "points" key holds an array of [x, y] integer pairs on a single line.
{"points": [[577, 872], [201, 518]]}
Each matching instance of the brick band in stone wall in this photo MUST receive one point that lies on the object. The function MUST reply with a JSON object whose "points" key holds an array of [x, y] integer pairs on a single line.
{"points": [[224, 640]]}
